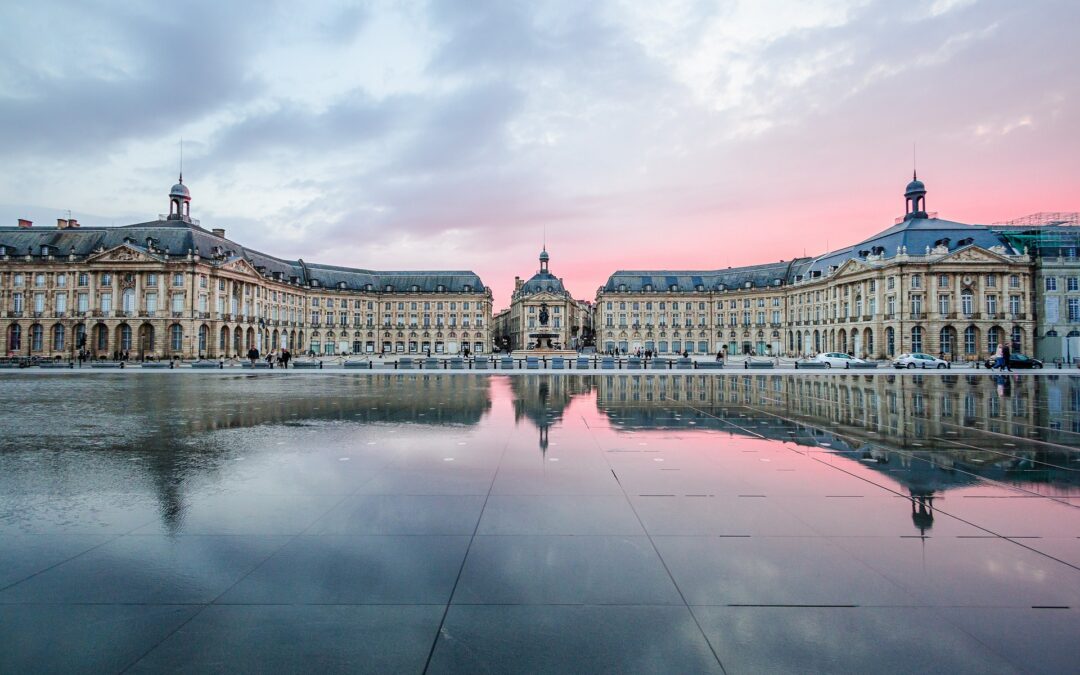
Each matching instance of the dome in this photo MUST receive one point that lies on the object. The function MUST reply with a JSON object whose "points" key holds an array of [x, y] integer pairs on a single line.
{"points": [[914, 186], [544, 257], [541, 282], [180, 190]]}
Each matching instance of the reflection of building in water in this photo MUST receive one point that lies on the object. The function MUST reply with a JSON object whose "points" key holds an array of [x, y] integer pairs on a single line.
{"points": [[174, 454], [542, 399], [931, 433]]}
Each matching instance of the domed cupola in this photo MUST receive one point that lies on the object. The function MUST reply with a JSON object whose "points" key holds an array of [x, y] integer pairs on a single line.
{"points": [[180, 202], [915, 199], [544, 258]]}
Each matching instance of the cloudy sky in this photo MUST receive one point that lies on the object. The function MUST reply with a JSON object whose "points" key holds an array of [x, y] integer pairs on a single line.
{"points": [[451, 135]]}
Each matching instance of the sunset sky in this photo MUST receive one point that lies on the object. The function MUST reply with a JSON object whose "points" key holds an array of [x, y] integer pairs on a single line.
{"points": [[451, 134]]}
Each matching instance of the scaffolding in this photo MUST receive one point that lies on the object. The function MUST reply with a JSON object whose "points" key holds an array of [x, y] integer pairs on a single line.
{"points": [[1043, 234]]}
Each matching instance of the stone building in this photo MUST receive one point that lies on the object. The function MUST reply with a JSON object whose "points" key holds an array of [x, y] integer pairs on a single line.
{"points": [[924, 284], [169, 288], [543, 295]]}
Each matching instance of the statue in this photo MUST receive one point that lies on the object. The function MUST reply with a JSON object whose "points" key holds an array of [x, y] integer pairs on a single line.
{"points": [[543, 314]]}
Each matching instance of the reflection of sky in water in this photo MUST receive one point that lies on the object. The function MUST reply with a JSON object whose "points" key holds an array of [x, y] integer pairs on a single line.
{"points": [[891, 494]]}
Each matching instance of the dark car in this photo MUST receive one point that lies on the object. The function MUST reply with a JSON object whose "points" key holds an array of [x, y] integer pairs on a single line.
{"points": [[1018, 361]]}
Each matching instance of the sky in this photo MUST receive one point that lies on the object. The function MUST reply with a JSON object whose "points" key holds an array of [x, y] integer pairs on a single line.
{"points": [[458, 135]]}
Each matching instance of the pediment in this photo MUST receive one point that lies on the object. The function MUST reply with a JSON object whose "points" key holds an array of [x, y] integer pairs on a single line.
{"points": [[850, 267], [124, 253], [974, 254], [240, 265]]}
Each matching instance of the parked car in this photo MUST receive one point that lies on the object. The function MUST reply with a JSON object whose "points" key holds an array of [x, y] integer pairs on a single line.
{"points": [[1018, 361], [919, 360], [836, 359]]}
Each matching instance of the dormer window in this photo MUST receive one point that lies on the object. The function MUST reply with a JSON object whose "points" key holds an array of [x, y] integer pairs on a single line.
{"points": [[674, 288], [700, 288], [368, 287], [315, 283], [415, 288], [467, 288], [748, 284], [341, 285], [648, 288], [389, 288], [440, 288]]}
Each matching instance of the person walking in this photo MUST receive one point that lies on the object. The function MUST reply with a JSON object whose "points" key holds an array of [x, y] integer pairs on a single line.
{"points": [[719, 355], [997, 359], [253, 355], [1005, 354]]}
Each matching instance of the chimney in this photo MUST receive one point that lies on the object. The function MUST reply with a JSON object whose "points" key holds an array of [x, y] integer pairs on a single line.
{"points": [[25, 224], [518, 283], [61, 223], [219, 232], [73, 223]]}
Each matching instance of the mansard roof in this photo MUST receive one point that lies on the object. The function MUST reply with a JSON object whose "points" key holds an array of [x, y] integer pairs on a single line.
{"points": [[179, 238], [914, 236], [759, 276]]}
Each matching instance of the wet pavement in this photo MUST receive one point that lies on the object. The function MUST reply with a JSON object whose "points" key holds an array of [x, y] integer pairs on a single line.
{"points": [[377, 522]]}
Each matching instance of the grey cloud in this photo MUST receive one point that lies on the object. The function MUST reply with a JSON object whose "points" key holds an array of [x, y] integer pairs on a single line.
{"points": [[355, 118], [183, 66]]}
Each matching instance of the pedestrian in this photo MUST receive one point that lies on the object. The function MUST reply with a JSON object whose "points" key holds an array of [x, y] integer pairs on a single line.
{"points": [[719, 355], [1006, 353], [253, 355], [997, 365], [285, 356]]}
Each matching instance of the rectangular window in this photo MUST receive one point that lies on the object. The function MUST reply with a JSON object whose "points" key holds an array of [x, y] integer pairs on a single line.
{"points": [[1074, 309], [106, 302], [991, 281], [84, 302], [151, 303], [916, 281], [1072, 284], [1014, 304], [61, 303], [943, 304], [39, 302], [84, 279], [1051, 283], [106, 279], [178, 279], [178, 303]]}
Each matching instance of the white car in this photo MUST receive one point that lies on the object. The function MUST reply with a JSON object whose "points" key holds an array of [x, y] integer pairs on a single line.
{"points": [[919, 360], [836, 359]]}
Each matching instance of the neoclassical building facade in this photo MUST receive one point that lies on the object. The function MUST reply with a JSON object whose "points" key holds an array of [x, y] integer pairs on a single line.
{"points": [[170, 288], [543, 296], [924, 284]]}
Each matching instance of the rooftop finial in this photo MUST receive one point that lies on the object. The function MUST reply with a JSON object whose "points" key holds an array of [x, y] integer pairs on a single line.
{"points": [[914, 162], [181, 159]]}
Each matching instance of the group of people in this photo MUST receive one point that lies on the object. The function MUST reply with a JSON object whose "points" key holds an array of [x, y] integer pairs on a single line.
{"points": [[274, 356]]}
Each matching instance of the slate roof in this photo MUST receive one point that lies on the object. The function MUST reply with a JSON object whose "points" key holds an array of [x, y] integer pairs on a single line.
{"points": [[541, 281], [915, 233], [179, 237], [733, 277]]}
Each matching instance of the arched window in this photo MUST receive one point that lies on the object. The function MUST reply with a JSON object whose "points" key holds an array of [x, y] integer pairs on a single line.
{"points": [[1018, 338], [58, 338], [223, 340], [14, 337], [204, 338], [971, 338], [890, 341], [125, 337], [916, 339], [946, 339], [37, 337], [101, 341], [176, 337], [993, 339], [868, 341]]}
